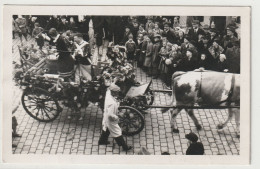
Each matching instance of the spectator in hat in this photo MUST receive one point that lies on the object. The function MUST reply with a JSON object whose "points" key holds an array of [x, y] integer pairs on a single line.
{"points": [[169, 33], [186, 45], [143, 52], [21, 27], [219, 22], [72, 25], [176, 22], [134, 30], [140, 40], [126, 34], [229, 37], [141, 30], [194, 147], [110, 119], [195, 31], [149, 24], [164, 54], [155, 56], [206, 30], [213, 35], [148, 56], [190, 61], [175, 58], [156, 29], [63, 24], [215, 49], [130, 48], [203, 47], [52, 22], [233, 57]]}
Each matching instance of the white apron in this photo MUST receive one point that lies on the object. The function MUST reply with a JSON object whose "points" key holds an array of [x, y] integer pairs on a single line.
{"points": [[111, 110]]}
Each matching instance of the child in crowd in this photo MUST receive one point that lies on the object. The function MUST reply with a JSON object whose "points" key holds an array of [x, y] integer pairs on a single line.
{"points": [[130, 48], [37, 34], [222, 65]]}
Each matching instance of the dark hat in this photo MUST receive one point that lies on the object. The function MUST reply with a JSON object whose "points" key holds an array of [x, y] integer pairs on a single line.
{"points": [[149, 17], [213, 30], [206, 27], [192, 137], [166, 24], [157, 36], [53, 32], [63, 17], [206, 37], [196, 22], [217, 40]]}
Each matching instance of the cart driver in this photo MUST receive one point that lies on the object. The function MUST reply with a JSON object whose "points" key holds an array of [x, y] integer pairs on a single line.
{"points": [[110, 119]]}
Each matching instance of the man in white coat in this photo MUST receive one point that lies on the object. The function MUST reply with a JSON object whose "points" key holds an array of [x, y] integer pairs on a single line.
{"points": [[110, 119]]}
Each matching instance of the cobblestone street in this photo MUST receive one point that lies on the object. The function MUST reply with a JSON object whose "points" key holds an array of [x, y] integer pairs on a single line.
{"points": [[69, 136]]}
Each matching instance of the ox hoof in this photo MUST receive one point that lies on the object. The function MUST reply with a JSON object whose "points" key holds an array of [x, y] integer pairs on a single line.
{"points": [[220, 126], [175, 130], [198, 127]]}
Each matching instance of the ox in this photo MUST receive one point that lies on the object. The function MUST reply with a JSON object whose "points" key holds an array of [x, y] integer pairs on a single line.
{"points": [[207, 88]]}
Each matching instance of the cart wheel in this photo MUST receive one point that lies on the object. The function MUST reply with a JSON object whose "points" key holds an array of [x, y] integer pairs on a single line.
{"points": [[131, 120], [40, 104], [149, 99]]}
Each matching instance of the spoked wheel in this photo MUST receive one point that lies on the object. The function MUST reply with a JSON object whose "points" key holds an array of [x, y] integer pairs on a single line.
{"points": [[40, 104], [131, 120]]}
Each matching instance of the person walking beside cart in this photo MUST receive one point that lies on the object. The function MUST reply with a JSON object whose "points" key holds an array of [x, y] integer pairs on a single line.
{"points": [[110, 119]]}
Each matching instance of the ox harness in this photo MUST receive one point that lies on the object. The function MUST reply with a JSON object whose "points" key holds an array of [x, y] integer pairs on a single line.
{"points": [[228, 101]]}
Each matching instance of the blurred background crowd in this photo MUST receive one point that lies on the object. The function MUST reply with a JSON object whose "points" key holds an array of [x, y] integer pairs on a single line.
{"points": [[160, 45]]}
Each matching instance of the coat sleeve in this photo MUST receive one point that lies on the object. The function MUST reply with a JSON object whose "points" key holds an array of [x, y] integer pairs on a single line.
{"points": [[111, 109]]}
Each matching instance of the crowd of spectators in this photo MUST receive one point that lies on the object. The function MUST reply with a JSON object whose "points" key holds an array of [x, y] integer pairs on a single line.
{"points": [[159, 45]]}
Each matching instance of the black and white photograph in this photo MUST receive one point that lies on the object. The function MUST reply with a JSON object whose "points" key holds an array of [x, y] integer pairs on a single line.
{"points": [[152, 83]]}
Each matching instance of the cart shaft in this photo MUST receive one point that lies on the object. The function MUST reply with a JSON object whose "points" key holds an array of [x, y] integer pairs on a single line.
{"points": [[192, 107]]}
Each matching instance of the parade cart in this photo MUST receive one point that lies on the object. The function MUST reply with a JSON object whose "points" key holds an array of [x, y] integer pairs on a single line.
{"points": [[44, 95]]}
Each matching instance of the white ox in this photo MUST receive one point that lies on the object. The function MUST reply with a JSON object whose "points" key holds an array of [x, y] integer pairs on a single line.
{"points": [[205, 89]]}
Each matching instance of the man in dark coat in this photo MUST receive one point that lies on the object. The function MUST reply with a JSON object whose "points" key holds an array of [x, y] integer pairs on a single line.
{"points": [[83, 24], [190, 61], [195, 148], [63, 26], [220, 22], [65, 61], [53, 22], [233, 57], [169, 33], [195, 32]]}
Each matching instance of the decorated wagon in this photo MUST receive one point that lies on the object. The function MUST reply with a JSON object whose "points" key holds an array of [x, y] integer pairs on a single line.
{"points": [[45, 92]]}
